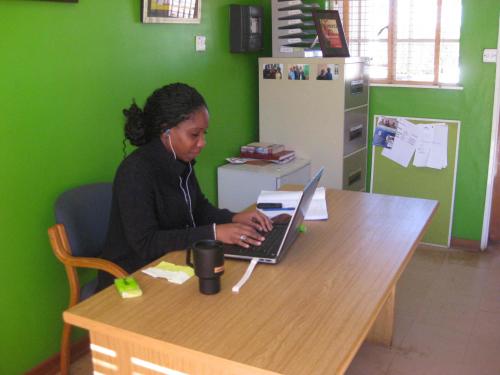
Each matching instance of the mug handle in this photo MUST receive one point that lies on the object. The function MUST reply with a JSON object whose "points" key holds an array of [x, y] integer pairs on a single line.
{"points": [[188, 258]]}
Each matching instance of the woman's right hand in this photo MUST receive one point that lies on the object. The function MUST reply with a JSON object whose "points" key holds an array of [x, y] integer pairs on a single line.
{"points": [[238, 234]]}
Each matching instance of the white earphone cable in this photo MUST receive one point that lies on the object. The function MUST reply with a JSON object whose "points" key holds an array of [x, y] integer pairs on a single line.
{"points": [[187, 196], [170, 143]]}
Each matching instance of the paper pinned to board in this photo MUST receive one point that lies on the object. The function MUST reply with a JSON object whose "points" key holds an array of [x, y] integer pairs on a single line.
{"points": [[405, 141], [317, 209], [428, 142], [432, 146]]}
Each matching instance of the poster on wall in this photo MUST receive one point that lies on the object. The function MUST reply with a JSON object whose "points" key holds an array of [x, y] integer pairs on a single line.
{"points": [[171, 11]]}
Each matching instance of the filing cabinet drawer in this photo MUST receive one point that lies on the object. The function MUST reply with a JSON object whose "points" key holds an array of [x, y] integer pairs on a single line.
{"points": [[355, 129], [356, 86], [354, 175]]}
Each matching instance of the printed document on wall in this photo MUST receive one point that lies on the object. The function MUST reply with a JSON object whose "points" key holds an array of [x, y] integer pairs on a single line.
{"points": [[432, 146], [439, 151], [407, 135]]}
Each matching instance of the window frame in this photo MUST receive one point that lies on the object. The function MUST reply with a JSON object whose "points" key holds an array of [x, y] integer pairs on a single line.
{"points": [[392, 43]]}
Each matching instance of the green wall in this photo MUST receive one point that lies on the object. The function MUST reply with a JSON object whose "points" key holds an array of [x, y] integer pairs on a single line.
{"points": [[67, 71], [473, 106]]}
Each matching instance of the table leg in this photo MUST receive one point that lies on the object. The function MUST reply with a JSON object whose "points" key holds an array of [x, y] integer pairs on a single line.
{"points": [[383, 327]]}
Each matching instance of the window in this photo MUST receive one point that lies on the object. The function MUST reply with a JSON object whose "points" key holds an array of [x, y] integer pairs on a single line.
{"points": [[407, 41]]}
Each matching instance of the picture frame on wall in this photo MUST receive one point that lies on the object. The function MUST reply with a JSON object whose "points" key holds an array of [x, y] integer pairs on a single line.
{"points": [[171, 11], [330, 33]]}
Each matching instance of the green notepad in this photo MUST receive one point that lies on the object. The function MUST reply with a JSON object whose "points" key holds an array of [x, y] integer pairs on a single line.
{"points": [[128, 287]]}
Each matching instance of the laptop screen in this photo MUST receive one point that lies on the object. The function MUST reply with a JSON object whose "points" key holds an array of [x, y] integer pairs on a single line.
{"points": [[300, 212]]}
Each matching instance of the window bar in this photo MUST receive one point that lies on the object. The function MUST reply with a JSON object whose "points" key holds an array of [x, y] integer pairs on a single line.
{"points": [[193, 8], [346, 17], [176, 11], [391, 45], [169, 8], [184, 8], [437, 42]]}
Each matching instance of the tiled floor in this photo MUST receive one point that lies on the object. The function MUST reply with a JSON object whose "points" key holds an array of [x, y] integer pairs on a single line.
{"points": [[447, 319]]}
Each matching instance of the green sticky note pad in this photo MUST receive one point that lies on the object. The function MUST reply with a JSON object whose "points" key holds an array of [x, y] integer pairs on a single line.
{"points": [[128, 287], [302, 228]]}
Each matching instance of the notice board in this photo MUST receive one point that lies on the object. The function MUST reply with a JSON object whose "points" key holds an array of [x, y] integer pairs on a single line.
{"points": [[388, 177]]}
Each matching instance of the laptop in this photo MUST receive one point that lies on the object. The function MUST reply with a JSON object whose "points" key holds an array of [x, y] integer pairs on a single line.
{"points": [[285, 231]]}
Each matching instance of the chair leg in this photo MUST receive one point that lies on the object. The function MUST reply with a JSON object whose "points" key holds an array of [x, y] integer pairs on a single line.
{"points": [[65, 349]]}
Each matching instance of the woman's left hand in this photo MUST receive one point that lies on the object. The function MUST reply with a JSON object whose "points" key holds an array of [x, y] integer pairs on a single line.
{"points": [[255, 219]]}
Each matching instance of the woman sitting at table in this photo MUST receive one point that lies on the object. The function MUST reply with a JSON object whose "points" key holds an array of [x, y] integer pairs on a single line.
{"points": [[157, 204]]}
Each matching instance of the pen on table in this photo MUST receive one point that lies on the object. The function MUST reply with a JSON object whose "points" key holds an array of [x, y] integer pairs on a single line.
{"points": [[277, 208]]}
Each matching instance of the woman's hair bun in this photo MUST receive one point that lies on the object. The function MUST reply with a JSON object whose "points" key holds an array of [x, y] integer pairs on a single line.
{"points": [[135, 131]]}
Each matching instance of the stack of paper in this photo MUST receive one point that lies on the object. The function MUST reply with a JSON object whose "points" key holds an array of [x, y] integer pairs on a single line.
{"points": [[290, 199], [173, 273]]}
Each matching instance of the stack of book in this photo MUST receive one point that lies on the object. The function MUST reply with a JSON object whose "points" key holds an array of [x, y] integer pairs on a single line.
{"points": [[267, 151]]}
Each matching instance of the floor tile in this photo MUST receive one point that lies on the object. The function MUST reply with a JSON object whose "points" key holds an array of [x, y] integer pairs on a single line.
{"points": [[371, 359], [484, 352]]}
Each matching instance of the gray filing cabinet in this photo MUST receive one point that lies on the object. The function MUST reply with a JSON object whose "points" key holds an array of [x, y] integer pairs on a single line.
{"points": [[323, 120], [239, 185]]}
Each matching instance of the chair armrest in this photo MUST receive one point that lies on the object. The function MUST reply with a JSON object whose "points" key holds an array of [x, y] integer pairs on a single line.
{"points": [[62, 250], [99, 264]]}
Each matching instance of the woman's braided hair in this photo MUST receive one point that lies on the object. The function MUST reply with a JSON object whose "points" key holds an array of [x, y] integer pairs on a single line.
{"points": [[164, 109]]}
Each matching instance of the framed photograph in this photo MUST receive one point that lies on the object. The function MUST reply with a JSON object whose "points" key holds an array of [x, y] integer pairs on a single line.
{"points": [[272, 71], [330, 33], [171, 11], [298, 72], [327, 72]]}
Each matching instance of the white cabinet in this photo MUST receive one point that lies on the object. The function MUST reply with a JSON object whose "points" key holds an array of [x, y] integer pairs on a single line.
{"points": [[322, 120], [239, 185]]}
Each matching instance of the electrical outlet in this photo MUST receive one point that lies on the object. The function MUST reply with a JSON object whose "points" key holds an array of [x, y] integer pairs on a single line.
{"points": [[200, 43], [490, 56]]}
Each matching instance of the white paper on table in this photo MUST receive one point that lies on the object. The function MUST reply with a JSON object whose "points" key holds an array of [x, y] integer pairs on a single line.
{"points": [[317, 209], [424, 144], [407, 135], [438, 157]]}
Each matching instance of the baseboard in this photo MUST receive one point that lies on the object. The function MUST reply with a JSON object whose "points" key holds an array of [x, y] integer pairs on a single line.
{"points": [[52, 365], [460, 243]]}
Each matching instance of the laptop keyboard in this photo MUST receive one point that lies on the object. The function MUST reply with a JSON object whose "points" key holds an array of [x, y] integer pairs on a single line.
{"points": [[268, 248]]}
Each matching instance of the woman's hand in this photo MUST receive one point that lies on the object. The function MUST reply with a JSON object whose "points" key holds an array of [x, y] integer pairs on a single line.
{"points": [[255, 219], [238, 234]]}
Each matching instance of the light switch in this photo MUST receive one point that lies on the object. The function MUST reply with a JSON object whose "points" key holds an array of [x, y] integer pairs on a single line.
{"points": [[490, 56], [200, 43]]}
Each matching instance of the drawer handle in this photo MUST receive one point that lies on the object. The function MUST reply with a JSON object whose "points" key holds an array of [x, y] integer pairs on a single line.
{"points": [[355, 132], [357, 87], [354, 177]]}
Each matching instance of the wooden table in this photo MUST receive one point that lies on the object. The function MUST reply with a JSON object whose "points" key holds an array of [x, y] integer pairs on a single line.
{"points": [[307, 315]]}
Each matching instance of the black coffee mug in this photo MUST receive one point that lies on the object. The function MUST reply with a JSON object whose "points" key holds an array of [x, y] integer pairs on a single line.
{"points": [[208, 264]]}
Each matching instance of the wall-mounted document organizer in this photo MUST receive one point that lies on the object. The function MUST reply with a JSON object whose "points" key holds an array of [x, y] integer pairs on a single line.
{"points": [[389, 177], [293, 29]]}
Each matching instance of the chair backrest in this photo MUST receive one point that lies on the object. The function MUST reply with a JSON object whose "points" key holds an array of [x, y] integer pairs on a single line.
{"points": [[84, 212]]}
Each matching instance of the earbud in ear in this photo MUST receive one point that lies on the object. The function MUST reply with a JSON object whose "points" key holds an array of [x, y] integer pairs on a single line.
{"points": [[167, 132]]}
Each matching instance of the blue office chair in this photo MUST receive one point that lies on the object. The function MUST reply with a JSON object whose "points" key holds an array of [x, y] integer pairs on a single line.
{"points": [[82, 216]]}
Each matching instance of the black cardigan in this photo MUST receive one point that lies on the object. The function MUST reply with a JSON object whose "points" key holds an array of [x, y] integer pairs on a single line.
{"points": [[150, 213]]}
